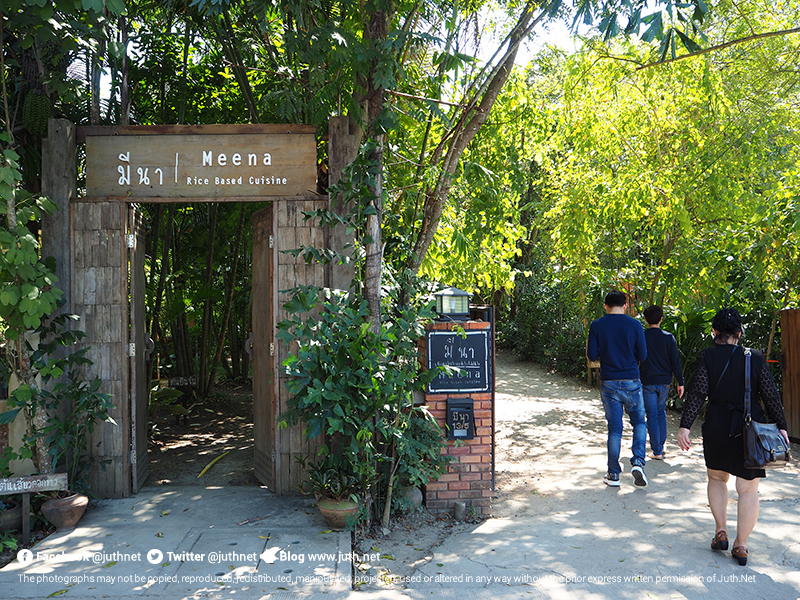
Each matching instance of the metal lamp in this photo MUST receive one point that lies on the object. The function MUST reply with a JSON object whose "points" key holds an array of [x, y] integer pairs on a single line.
{"points": [[452, 304]]}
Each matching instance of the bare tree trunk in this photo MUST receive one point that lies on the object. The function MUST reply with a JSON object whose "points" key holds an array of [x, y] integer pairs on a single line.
{"points": [[156, 329], [228, 41], [187, 38], [95, 72]]}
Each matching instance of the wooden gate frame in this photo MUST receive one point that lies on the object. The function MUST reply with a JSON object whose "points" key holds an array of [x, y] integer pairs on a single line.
{"points": [[790, 345], [90, 239]]}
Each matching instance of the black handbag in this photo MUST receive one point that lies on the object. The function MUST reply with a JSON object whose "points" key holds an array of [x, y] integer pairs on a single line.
{"points": [[764, 446]]}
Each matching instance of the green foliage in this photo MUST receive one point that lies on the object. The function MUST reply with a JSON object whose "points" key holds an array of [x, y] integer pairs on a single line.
{"points": [[670, 23], [546, 326], [27, 296], [166, 399], [354, 382], [692, 330], [8, 541], [355, 386], [331, 477], [419, 448], [27, 283], [72, 404]]}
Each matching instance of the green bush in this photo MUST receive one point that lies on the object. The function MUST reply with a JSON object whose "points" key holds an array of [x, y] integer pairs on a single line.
{"points": [[355, 387], [546, 328]]}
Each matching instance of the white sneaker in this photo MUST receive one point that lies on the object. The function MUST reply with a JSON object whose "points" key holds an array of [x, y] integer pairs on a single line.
{"points": [[639, 478]]}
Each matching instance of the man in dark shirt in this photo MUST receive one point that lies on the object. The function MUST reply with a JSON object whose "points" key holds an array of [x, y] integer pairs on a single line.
{"points": [[617, 341], [657, 369]]}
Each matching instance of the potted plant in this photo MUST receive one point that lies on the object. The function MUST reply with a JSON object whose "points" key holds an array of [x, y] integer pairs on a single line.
{"points": [[337, 490], [354, 386]]}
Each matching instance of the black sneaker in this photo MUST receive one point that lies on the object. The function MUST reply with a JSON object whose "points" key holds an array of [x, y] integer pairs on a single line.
{"points": [[611, 479], [639, 478]]}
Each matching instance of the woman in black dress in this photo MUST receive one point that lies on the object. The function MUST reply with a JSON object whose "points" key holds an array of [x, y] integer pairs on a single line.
{"points": [[719, 376]]}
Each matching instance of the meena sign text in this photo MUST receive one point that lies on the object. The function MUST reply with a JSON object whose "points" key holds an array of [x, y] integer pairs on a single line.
{"points": [[201, 166]]}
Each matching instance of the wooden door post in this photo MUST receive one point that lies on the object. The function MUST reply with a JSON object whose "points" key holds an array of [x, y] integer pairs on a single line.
{"points": [[342, 149], [59, 183]]}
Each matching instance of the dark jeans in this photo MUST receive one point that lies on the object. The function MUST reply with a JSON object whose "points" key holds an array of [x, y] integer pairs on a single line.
{"points": [[655, 406], [624, 395]]}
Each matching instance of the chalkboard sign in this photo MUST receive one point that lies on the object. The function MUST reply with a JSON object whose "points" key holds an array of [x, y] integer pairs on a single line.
{"points": [[470, 354]]}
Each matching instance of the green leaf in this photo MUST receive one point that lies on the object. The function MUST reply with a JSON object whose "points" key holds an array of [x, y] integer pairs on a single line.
{"points": [[656, 29], [9, 416], [688, 43], [9, 296]]}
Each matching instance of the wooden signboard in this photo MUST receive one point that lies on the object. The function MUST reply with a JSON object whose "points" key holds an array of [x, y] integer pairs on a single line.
{"points": [[211, 167], [33, 484], [469, 354]]}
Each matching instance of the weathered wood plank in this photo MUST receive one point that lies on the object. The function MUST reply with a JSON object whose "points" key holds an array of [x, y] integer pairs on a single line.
{"points": [[187, 166], [263, 324], [287, 240], [59, 183], [194, 199], [33, 484], [218, 129], [790, 339]]}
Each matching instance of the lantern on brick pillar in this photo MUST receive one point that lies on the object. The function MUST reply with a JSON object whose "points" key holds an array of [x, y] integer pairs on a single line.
{"points": [[452, 304]]}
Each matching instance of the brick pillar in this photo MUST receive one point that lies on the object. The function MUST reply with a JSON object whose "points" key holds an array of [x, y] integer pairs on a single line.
{"points": [[470, 476]]}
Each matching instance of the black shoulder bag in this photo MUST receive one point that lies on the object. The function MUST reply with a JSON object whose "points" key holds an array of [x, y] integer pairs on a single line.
{"points": [[764, 446]]}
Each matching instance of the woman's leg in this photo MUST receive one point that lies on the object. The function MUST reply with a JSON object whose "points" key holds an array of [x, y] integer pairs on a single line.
{"points": [[718, 498], [747, 512]]}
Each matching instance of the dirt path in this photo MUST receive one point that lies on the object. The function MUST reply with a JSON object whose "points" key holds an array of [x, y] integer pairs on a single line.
{"points": [[223, 424]]}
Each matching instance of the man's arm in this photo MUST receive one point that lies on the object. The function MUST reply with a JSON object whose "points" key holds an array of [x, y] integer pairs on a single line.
{"points": [[640, 349], [592, 345], [675, 361]]}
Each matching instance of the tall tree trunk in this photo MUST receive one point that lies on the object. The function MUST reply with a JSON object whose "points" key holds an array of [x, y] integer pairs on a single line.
{"points": [[94, 87], [157, 332], [187, 38], [228, 301], [475, 114], [205, 337], [124, 91], [155, 241], [376, 31], [228, 41]]}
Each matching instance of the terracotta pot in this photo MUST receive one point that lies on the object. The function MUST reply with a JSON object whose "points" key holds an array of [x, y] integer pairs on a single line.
{"points": [[411, 496], [11, 517], [64, 513], [339, 514]]}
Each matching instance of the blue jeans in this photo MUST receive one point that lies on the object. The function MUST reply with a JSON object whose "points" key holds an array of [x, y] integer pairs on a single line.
{"points": [[619, 395], [655, 405]]}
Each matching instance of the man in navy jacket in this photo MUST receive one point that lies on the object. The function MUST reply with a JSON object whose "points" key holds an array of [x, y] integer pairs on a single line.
{"points": [[617, 341], [657, 369]]}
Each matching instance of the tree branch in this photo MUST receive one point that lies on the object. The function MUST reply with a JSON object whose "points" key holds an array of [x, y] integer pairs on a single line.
{"points": [[749, 38]]}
